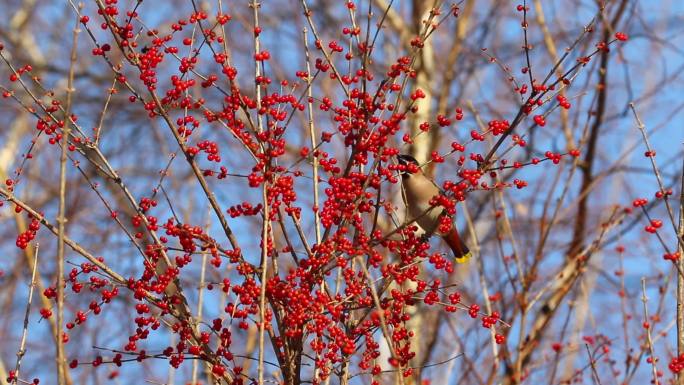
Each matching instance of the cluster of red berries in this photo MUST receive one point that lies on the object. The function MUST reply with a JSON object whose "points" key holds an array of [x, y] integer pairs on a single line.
{"points": [[498, 127], [563, 101], [663, 194], [640, 202], [245, 208], [20, 71], [477, 136], [13, 379], [27, 236], [212, 150], [677, 364], [554, 157], [490, 320], [519, 183], [653, 226]]}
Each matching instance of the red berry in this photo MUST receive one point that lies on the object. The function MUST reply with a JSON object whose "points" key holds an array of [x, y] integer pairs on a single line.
{"points": [[621, 36]]}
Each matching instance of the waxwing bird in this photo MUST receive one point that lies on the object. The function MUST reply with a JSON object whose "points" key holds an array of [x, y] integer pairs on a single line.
{"points": [[419, 191]]}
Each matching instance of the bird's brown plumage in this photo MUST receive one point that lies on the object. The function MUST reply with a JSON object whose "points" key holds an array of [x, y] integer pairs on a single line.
{"points": [[419, 191]]}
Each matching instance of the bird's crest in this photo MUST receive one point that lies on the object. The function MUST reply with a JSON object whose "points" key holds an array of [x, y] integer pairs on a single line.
{"points": [[410, 165], [406, 159]]}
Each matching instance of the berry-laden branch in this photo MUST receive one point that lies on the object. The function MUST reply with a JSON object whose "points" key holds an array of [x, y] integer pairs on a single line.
{"points": [[275, 252]]}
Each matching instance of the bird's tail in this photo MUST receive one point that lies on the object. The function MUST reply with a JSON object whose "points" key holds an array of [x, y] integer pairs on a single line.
{"points": [[460, 250]]}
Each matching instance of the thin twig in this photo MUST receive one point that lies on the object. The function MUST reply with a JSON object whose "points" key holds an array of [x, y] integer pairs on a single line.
{"points": [[312, 135], [647, 326], [483, 282], [200, 303], [656, 171], [592, 363], [22, 346], [680, 279], [61, 219], [266, 218]]}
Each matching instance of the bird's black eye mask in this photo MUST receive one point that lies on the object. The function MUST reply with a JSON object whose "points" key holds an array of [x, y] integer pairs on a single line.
{"points": [[410, 164]]}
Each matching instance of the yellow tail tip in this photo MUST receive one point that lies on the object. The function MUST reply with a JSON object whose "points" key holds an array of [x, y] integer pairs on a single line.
{"points": [[464, 258]]}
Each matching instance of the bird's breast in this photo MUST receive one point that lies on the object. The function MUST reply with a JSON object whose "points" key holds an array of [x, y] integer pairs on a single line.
{"points": [[418, 196]]}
